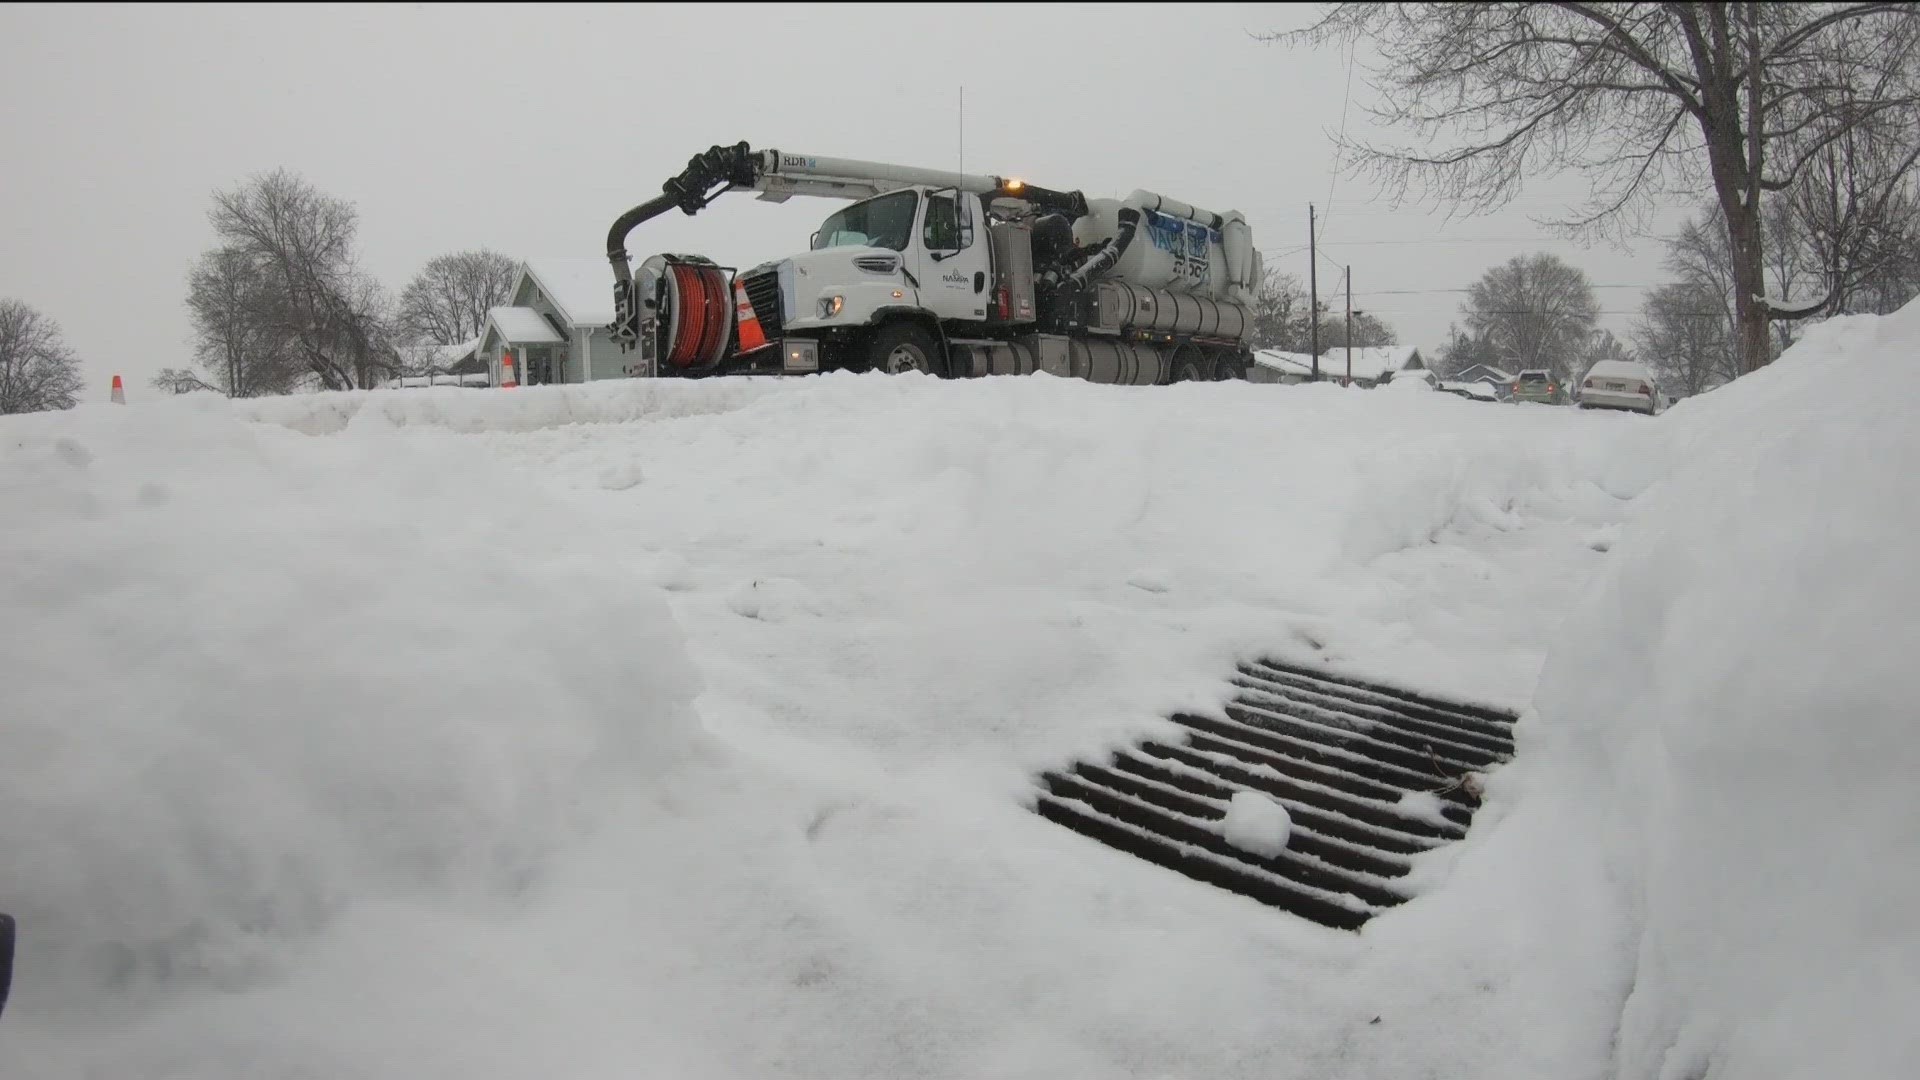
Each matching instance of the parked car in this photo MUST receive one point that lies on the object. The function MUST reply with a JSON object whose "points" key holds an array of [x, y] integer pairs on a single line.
{"points": [[1621, 384], [1472, 391], [1537, 385]]}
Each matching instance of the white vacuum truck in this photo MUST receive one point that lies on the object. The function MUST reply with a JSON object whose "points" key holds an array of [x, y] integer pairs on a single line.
{"points": [[946, 273]]}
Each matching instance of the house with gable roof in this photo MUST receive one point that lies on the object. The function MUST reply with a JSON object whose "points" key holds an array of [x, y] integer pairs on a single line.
{"points": [[555, 325], [1370, 366], [1498, 378]]}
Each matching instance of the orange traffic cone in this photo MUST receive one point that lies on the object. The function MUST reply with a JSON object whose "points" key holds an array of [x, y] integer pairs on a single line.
{"points": [[506, 371], [751, 336], [119, 392]]}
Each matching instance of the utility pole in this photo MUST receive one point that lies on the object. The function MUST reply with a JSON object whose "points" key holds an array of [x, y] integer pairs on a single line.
{"points": [[1313, 291], [1349, 381]]}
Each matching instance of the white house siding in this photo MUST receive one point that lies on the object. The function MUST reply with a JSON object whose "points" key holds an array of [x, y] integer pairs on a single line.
{"points": [[589, 351]]}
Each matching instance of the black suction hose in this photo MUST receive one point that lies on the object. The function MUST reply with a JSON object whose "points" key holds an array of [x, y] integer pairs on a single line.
{"points": [[1110, 251], [688, 191], [626, 223]]}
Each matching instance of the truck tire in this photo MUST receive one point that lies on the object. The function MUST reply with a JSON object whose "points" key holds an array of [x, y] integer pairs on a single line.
{"points": [[1191, 364], [1228, 367], [906, 346]]}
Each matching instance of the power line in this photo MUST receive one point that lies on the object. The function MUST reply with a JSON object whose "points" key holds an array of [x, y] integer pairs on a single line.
{"points": [[1333, 171], [1475, 240], [1426, 292], [1608, 311]]}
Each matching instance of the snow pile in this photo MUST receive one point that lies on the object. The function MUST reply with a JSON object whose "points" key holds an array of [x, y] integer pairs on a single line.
{"points": [[1747, 668], [393, 732], [357, 739], [255, 682], [525, 408], [1257, 824], [1424, 805]]}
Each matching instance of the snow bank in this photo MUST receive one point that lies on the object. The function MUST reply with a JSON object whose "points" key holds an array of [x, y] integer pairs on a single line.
{"points": [[358, 741], [255, 682], [660, 728], [525, 408], [1746, 671]]}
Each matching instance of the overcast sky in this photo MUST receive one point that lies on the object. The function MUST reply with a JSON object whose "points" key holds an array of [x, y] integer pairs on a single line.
{"points": [[528, 128]]}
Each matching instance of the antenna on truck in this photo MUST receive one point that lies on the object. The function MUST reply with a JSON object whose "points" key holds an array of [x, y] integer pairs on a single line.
{"points": [[962, 168]]}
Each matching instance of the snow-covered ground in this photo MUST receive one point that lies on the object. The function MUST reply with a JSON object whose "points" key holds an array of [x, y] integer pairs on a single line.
{"points": [[684, 730]]}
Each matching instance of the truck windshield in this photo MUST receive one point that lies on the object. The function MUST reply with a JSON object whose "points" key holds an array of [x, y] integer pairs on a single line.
{"points": [[886, 221]]}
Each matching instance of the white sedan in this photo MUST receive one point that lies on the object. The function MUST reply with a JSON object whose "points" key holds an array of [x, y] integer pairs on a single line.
{"points": [[1620, 384]]}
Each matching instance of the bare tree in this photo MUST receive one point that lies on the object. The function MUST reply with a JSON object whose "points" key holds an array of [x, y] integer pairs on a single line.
{"points": [[298, 243], [182, 381], [1684, 335], [1462, 351], [1368, 330], [1783, 242], [1602, 345], [239, 343], [37, 370], [1280, 319], [1643, 99], [446, 303], [1856, 220], [1534, 311]]}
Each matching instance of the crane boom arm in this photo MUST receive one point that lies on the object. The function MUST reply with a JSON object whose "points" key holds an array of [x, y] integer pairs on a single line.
{"points": [[779, 176]]}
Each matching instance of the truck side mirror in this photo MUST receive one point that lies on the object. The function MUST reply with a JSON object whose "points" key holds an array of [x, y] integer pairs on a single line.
{"points": [[964, 205]]}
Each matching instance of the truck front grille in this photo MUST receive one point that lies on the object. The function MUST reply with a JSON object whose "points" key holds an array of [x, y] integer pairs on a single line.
{"points": [[763, 292]]}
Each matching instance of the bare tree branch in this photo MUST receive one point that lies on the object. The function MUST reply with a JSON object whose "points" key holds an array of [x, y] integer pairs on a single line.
{"points": [[447, 302], [37, 370], [1493, 95], [305, 297]]}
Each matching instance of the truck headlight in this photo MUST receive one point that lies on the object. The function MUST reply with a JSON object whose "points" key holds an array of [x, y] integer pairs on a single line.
{"points": [[831, 305]]}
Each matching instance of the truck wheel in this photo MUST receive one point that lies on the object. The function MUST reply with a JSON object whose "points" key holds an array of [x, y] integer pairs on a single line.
{"points": [[1228, 367], [906, 346], [1190, 365]]}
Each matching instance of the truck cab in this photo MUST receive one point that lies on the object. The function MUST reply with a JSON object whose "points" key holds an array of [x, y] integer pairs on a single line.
{"points": [[917, 255]]}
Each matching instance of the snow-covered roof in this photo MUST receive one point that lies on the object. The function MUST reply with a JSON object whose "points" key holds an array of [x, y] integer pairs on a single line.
{"points": [[433, 355], [1468, 373], [1293, 363], [1368, 363], [522, 326], [581, 287], [1619, 369], [1472, 386]]}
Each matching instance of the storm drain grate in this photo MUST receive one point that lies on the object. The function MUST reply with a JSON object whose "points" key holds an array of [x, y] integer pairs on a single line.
{"points": [[1339, 753]]}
